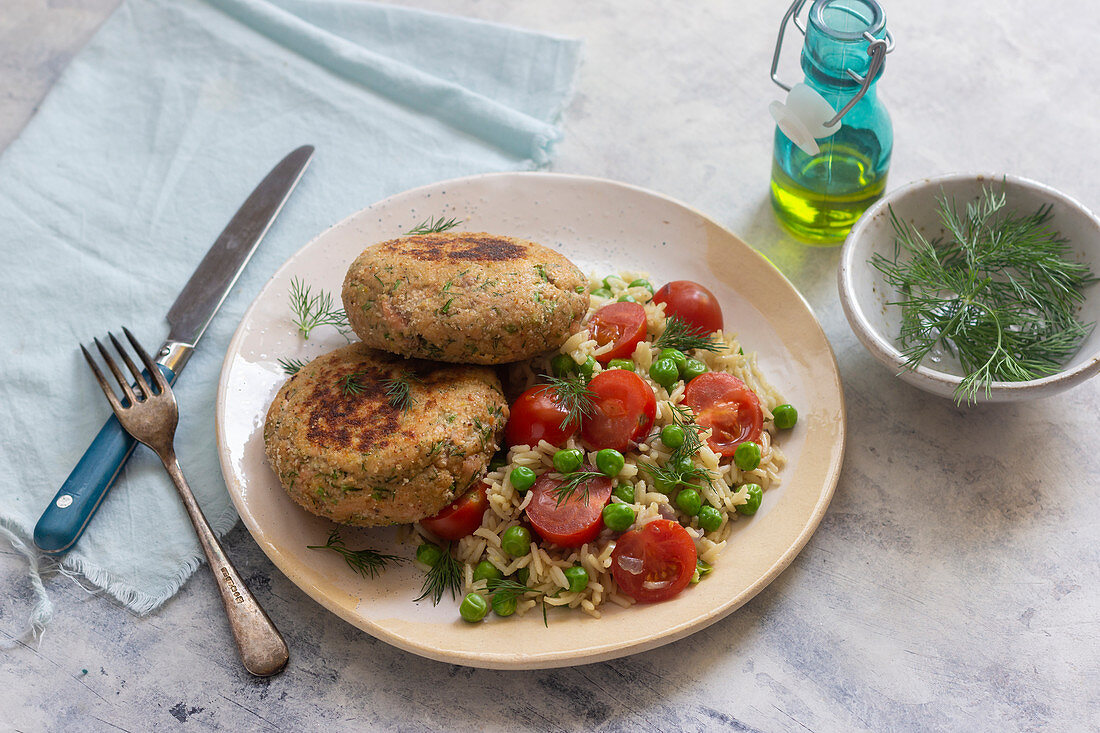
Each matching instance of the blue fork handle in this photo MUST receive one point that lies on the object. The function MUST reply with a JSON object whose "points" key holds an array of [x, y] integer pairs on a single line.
{"points": [[68, 514]]}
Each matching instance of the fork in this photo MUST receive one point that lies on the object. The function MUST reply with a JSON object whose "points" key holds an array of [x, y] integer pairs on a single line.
{"points": [[151, 416]]}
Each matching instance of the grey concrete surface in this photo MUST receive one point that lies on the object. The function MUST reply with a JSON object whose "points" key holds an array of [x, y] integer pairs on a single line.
{"points": [[954, 583]]}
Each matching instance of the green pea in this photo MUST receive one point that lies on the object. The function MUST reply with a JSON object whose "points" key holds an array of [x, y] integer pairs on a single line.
{"points": [[486, 570], [677, 356], [641, 283], [664, 485], [747, 456], [523, 575], [577, 577], [627, 364], [610, 281], [692, 369], [627, 298], [664, 372], [428, 554], [504, 604], [710, 518], [562, 365], [473, 608], [689, 502], [587, 368], [672, 436], [785, 417], [603, 293], [610, 462], [618, 517], [516, 541], [568, 460], [523, 478], [624, 492], [756, 494], [702, 569], [682, 465]]}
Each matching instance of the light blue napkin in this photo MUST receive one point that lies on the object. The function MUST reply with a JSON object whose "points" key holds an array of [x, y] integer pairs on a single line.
{"points": [[146, 146]]}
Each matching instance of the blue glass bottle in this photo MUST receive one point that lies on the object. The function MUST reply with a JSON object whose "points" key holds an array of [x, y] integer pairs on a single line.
{"points": [[818, 197]]}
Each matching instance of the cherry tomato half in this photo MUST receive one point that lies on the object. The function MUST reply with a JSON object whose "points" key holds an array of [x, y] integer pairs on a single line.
{"points": [[536, 415], [725, 404], [576, 520], [622, 324], [693, 303], [624, 411], [461, 517], [654, 563]]}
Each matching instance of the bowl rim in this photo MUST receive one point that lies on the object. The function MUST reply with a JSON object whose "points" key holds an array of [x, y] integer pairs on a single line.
{"points": [[885, 350]]}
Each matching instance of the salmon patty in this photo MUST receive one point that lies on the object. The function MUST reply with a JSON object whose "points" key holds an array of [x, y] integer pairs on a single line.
{"points": [[348, 446], [467, 298]]}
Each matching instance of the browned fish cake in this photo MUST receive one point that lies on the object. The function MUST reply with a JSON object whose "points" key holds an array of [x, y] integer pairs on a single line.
{"points": [[464, 297], [344, 450]]}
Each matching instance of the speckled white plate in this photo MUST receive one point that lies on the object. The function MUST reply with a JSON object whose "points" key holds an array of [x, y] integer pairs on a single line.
{"points": [[602, 226]]}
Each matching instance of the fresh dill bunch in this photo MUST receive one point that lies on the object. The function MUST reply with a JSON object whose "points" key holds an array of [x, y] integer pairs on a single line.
{"points": [[571, 482], [313, 310], [999, 293], [433, 226], [507, 590], [679, 334], [444, 575], [366, 562], [291, 366], [573, 395], [397, 390]]}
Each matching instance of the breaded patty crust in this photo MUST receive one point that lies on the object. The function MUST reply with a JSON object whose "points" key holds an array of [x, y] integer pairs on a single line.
{"points": [[464, 297], [347, 447]]}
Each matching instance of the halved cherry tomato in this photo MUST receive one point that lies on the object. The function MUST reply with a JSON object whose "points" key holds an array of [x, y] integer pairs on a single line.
{"points": [[691, 302], [655, 562], [624, 411], [536, 415], [576, 520], [725, 404], [461, 517], [620, 323]]}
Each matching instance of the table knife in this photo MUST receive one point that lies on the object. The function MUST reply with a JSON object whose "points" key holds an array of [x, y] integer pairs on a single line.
{"points": [[64, 520]]}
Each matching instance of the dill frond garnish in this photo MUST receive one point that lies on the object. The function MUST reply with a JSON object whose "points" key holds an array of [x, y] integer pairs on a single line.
{"points": [[444, 575], [998, 292], [350, 384], [669, 476], [397, 390], [291, 366], [574, 396], [433, 226], [571, 482], [507, 590], [366, 562], [313, 310], [679, 334]]}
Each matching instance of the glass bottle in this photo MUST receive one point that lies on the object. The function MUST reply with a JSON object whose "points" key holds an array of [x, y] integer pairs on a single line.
{"points": [[819, 194]]}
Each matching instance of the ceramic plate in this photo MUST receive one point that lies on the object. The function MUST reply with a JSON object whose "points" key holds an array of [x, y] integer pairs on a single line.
{"points": [[602, 226]]}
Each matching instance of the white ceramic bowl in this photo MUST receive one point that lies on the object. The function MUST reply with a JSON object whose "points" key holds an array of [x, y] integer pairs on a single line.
{"points": [[864, 292]]}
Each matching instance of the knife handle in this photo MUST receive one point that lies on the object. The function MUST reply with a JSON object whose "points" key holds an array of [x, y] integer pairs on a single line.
{"points": [[64, 520]]}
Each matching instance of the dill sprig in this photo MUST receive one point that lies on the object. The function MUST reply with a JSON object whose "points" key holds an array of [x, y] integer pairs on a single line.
{"points": [[573, 395], [571, 482], [366, 562], [679, 334], [397, 390], [313, 310], [350, 384], [508, 590], [999, 292], [445, 574], [433, 226], [669, 476], [291, 366]]}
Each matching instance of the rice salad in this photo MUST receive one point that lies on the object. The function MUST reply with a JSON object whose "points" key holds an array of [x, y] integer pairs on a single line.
{"points": [[547, 571]]}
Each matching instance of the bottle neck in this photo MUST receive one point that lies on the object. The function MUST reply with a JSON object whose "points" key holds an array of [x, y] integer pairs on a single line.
{"points": [[835, 43]]}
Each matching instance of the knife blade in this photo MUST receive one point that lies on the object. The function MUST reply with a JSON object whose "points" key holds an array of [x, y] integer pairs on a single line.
{"points": [[68, 514]]}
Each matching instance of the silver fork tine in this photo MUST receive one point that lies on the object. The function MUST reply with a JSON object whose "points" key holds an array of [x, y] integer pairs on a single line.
{"points": [[110, 393], [118, 374], [158, 376], [139, 381]]}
